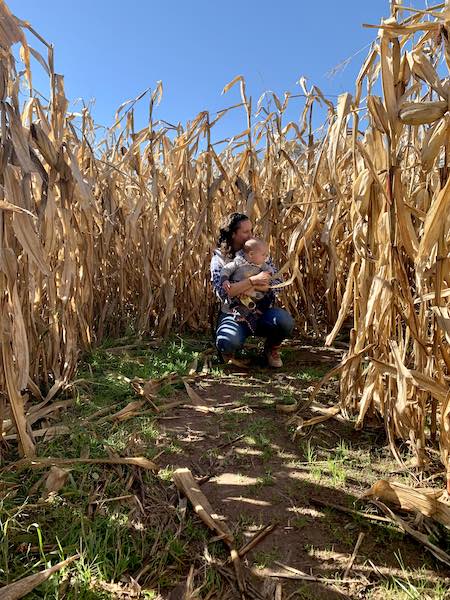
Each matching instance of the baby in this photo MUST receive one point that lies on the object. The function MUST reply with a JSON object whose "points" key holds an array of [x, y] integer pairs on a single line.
{"points": [[249, 261]]}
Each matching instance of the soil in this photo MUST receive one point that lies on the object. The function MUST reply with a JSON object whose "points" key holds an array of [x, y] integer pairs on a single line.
{"points": [[260, 471]]}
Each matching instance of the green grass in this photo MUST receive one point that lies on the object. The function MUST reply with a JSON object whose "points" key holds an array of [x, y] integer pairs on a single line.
{"points": [[336, 471], [411, 586], [299, 522], [265, 480], [308, 451], [257, 434], [335, 463], [311, 373], [212, 581], [255, 429], [396, 588], [103, 380], [265, 559], [108, 370], [287, 395], [263, 399], [304, 592], [342, 450], [316, 473], [112, 538], [108, 543], [115, 539]]}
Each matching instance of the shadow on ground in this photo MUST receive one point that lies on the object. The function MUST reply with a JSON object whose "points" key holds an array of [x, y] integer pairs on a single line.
{"points": [[259, 473]]}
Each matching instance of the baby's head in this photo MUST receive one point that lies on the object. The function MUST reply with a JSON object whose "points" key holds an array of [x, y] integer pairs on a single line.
{"points": [[256, 251]]}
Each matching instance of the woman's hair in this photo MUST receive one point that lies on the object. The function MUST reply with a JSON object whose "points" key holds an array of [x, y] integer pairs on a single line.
{"points": [[229, 226]]}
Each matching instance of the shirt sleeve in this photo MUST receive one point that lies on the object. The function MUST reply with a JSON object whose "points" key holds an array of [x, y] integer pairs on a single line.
{"points": [[216, 267], [227, 271]]}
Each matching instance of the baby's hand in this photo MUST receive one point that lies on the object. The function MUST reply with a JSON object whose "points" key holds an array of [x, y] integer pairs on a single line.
{"points": [[226, 286]]}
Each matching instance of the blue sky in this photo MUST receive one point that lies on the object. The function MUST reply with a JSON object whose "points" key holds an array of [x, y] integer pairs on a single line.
{"points": [[111, 50]]}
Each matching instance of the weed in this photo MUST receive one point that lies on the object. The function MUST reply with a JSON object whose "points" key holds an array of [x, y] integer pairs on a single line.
{"points": [[288, 395], [336, 471], [316, 472], [264, 559], [311, 373], [212, 581], [299, 522], [303, 592], [342, 450], [266, 480], [166, 474], [308, 451]]}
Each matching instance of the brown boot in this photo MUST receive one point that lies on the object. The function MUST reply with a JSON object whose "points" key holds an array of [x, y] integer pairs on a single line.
{"points": [[273, 356]]}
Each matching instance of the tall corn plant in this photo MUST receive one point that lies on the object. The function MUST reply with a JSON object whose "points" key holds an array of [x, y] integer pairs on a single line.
{"points": [[100, 234], [398, 281]]}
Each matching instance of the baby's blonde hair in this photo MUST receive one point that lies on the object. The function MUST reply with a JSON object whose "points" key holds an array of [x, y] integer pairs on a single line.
{"points": [[254, 244]]}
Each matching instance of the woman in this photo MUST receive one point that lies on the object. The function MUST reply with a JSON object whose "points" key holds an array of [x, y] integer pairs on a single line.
{"points": [[275, 324]]}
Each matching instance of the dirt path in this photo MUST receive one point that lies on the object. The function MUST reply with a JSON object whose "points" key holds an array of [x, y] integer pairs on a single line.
{"points": [[259, 474], [138, 538]]}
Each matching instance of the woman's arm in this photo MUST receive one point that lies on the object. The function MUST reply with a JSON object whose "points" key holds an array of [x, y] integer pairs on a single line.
{"points": [[262, 288], [239, 287], [259, 282], [216, 266]]}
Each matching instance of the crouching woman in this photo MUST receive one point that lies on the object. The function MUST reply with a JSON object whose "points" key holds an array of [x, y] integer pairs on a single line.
{"points": [[273, 323]]}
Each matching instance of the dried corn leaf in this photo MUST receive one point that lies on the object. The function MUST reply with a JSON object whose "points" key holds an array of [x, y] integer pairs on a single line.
{"points": [[24, 586], [428, 502], [185, 482]]}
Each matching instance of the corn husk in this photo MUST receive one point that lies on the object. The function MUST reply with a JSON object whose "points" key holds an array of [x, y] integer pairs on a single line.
{"points": [[422, 113], [429, 502]]}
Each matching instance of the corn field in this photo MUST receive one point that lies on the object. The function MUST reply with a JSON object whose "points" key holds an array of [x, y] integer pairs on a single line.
{"points": [[99, 235]]}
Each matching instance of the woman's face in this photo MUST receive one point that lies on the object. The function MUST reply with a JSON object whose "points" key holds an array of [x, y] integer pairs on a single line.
{"points": [[243, 233]]}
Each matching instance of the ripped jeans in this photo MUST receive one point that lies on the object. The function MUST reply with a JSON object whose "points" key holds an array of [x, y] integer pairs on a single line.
{"points": [[275, 324]]}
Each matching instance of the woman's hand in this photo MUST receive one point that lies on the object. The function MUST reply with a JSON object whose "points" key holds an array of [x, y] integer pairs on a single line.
{"points": [[262, 279], [226, 285], [262, 288]]}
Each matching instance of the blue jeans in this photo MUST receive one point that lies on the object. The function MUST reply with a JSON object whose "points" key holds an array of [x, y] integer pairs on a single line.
{"points": [[275, 324]]}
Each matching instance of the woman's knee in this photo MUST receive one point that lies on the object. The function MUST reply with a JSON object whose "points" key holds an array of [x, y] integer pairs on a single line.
{"points": [[229, 338], [288, 323], [282, 321], [228, 344]]}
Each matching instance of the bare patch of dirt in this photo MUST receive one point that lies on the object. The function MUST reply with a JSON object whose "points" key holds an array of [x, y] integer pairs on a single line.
{"points": [[259, 473]]}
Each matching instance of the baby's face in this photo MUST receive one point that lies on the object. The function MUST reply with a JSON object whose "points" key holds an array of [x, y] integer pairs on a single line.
{"points": [[258, 256]]}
